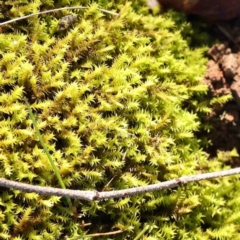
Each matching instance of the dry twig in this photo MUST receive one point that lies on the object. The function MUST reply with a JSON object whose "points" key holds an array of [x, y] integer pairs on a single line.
{"points": [[54, 10], [95, 195]]}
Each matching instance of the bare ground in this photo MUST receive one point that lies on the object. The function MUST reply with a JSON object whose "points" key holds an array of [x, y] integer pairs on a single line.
{"points": [[223, 77]]}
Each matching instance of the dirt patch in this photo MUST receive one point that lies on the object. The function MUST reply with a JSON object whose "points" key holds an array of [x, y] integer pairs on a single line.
{"points": [[223, 78]]}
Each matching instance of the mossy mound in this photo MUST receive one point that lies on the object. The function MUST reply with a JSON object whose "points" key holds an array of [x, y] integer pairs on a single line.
{"points": [[110, 96]]}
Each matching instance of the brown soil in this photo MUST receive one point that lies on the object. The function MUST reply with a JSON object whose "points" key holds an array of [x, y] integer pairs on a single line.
{"points": [[223, 77]]}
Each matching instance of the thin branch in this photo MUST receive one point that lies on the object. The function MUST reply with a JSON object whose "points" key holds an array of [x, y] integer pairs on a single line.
{"points": [[54, 10], [95, 195], [84, 195], [104, 234]]}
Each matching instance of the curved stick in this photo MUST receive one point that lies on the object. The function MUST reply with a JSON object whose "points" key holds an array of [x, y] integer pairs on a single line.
{"points": [[95, 195], [54, 10]]}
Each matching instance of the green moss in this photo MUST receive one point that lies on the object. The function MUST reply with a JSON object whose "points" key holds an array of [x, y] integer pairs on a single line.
{"points": [[110, 96]]}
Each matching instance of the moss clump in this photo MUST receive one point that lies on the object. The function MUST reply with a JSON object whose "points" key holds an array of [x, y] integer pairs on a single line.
{"points": [[108, 93]]}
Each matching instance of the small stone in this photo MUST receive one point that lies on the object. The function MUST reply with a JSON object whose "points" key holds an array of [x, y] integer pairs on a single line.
{"points": [[231, 116], [229, 65], [217, 51], [237, 76], [235, 89], [228, 51]]}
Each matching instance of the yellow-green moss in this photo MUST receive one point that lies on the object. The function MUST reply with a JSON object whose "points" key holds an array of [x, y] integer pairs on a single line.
{"points": [[110, 96]]}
